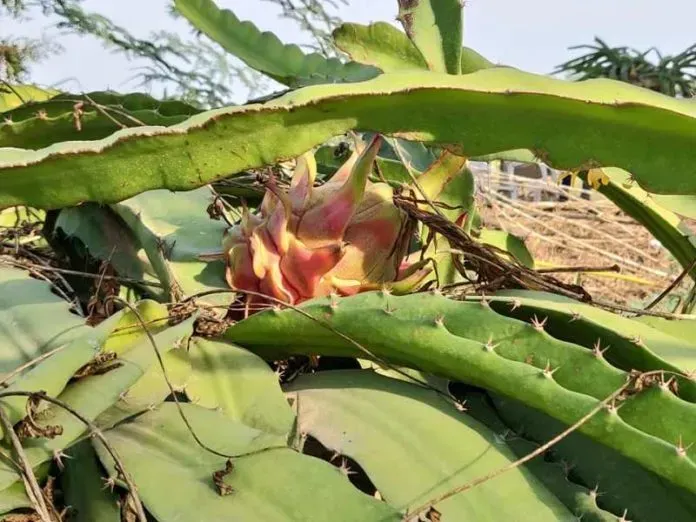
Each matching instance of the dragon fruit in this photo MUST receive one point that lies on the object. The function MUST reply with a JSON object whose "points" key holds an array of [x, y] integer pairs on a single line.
{"points": [[344, 237]]}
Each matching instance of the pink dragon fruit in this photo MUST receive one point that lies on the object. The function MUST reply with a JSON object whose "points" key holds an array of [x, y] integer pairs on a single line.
{"points": [[343, 237]]}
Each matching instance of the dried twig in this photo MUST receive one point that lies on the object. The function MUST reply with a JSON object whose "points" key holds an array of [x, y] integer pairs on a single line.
{"points": [[634, 382], [36, 270], [26, 471], [89, 275], [573, 269], [104, 109], [29, 364], [583, 245], [493, 271], [496, 273], [94, 431], [672, 285]]}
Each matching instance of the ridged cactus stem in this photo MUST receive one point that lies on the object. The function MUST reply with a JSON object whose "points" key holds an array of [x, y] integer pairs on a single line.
{"points": [[469, 342]]}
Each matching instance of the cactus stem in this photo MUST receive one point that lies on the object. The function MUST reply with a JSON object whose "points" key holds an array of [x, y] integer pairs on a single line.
{"points": [[539, 324]]}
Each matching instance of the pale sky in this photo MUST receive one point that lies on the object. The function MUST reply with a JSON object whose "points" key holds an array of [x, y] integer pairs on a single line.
{"points": [[529, 34]]}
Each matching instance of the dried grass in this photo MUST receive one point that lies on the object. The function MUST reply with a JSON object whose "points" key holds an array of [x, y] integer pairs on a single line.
{"points": [[584, 230]]}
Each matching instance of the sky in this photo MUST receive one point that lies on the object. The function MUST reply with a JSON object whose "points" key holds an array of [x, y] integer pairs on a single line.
{"points": [[533, 35]]}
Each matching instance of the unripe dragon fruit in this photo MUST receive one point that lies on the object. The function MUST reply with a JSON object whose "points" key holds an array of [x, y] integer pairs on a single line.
{"points": [[343, 237]]}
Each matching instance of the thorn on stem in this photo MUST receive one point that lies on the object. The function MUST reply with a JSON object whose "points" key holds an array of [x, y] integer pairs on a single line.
{"points": [[109, 483], [537, 324], [548, 371], [490, 346], [682, 450], [597, 350], [623, 517], [58, 456]]}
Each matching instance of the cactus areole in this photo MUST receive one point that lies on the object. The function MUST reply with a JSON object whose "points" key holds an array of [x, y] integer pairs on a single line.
{"points": [[343, 237]]}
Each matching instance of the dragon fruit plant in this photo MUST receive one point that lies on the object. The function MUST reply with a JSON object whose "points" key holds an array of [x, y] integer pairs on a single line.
{"points": [[344, 237], [435, 406]]}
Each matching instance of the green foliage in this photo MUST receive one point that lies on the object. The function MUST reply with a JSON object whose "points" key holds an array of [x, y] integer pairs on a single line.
{"points": [[356, 414], [468, 342], [435, 28], [473, 61], [22, 339], [264, 52], [621, 485], [626, 343], [681, 328], [552, 472], [265, 485], [681, 205], [214, 144], [174, 229], [385, 47], [155, 237], [381, 45], [12, 96], [82, 483], [68, 117]]}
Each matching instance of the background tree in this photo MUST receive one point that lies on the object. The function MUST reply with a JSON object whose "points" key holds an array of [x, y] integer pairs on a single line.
{"points": [[192, 69], [671, 75]]}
